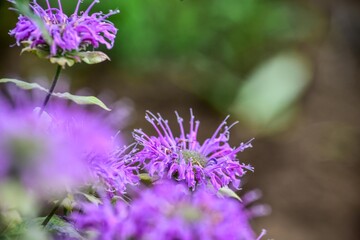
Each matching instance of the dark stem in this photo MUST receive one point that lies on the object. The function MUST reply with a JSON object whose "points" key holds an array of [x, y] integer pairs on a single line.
{"points": [[51, 214], [51, 90]]}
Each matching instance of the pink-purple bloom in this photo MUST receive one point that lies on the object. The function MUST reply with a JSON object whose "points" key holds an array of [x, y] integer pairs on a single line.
{"points": [[185, 158], [116, 170], [61, 149], [75, 32], [39, 153], [167, 211]]}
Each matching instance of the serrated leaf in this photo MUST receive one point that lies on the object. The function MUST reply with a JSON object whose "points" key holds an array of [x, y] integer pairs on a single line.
{"points": [[23, 84], [225, 191], [92, 57]]}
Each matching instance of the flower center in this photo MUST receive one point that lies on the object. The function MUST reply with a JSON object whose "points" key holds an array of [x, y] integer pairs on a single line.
{"points": [[194, 157]]}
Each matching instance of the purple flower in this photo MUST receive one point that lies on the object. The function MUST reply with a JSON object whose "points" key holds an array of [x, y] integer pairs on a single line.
{"points": [[167, 211], [116, 170], [185, 158], [35, 151], [68, 33], [110, 164], [64, 148]]}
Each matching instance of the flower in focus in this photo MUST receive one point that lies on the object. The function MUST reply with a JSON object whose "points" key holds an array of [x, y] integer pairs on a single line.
{"points": [[68, 34], [185, 158], [157, 213]]}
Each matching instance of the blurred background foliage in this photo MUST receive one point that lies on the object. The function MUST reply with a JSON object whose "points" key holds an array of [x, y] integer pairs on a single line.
{"points": [[216, 45], [287, 69], [211, 47]]}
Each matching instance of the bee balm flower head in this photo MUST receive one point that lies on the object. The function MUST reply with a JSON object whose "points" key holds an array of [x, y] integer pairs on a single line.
{"points": [[68, 35], [185, 158], [167, 211]]}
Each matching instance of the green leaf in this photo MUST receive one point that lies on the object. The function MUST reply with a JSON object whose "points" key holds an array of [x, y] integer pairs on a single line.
{"points": [[82, 100], [225, 191], [61, 228], [92, 57], [23, 85], [57, 227]]}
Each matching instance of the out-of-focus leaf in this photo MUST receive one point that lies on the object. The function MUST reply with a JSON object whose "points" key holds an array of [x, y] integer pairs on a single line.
{"points": [[24, 230], [82, 100], [62, 229], [271, 91], [14, 196], [22, 84], [225, 191], [32, 229]]}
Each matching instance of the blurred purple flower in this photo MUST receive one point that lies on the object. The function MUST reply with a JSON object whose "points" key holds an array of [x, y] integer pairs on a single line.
{"points": [[68, 33], [160, 213], [109, 162], [42, 156], [185, 158], [65, 147]]}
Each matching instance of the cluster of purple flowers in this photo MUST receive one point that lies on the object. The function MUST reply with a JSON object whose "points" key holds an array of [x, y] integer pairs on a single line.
{"points": [[65, 150], [68, 33], [185, 158], [161, 213]]}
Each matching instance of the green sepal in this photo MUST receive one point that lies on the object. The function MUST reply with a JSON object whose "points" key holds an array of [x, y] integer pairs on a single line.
{"points": [[92, 57], [226, 191], [68, 58]]}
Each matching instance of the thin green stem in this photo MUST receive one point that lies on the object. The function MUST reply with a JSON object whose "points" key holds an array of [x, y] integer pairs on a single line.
{"points": [[52, 213], [51, 90]]}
